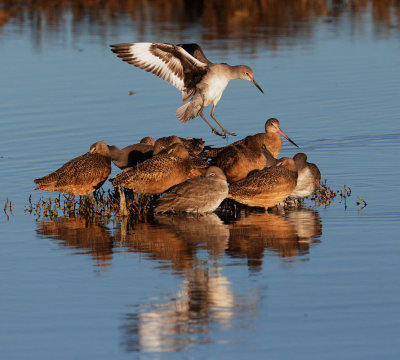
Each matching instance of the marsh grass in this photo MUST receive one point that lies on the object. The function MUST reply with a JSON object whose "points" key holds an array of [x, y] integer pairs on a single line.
{"points": [[105, 205], [101, 205]]}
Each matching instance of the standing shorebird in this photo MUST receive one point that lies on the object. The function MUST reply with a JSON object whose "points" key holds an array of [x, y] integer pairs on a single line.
{"points": [[81, 175], [254, 152], [201, 194], [269, 138], [200, 80], [238, 160]]}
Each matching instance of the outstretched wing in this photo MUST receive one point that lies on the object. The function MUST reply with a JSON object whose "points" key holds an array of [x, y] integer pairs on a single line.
{"points": [[196, 51], [169, 62]]}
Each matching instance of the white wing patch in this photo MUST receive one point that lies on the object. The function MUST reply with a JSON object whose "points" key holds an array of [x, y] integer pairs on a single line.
{"points": [[168, 67], [146, 60]]}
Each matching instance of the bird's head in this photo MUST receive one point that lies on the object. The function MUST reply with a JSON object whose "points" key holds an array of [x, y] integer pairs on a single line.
{"points": [[100, 147], [246, 73]]}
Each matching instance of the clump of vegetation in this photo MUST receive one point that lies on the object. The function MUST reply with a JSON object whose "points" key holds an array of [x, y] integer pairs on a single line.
{"points": [[101, 204], [8, 208], [106, 205], [323, 196]]}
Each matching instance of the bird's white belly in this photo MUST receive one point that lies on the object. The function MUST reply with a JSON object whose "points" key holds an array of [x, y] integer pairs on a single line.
{"points": [[214, 90]]}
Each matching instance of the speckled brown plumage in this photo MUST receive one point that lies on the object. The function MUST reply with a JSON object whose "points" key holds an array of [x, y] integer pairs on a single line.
{"points": [[309, 177], [193, 145], [267, 187], [147, 140], [270, 138], [159, 173], [81, 175], [201, 194], [238, 160]]}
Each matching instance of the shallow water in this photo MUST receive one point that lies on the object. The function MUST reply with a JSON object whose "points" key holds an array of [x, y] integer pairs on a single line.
{"points": [[317, 283]]}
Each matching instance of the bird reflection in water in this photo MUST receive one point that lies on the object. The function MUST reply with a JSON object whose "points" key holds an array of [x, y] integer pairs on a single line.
{"points": [[195, 249], [91, 238], [175, 240], [205, 297], [307, 224], [287, 236]]}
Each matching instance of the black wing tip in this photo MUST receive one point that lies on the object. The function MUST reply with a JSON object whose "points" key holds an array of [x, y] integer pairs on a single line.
{"points": [[123, 47]]}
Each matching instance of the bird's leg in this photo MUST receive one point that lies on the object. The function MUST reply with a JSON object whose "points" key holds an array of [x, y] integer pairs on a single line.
{"points": [[214, 130], [222, 128], [123, 210]]}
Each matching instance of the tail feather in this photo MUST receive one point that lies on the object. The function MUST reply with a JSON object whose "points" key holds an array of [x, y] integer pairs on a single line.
{"points": [[190, 110], [123, 179], [43, 187], [183, 113], [48, 179]]}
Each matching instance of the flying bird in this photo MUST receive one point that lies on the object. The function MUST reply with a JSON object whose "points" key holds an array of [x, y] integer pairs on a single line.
{"points": [[186, 67]]}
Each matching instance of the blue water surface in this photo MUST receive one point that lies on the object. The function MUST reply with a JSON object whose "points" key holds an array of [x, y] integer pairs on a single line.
{"points": [[321, 283]]}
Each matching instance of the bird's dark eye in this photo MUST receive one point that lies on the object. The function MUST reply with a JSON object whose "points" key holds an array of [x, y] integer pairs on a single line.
{"points": [[212, 174], [247, 73]]}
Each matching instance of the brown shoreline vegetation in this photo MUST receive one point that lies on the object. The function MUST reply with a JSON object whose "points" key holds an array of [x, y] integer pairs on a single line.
{"points": [[104, 205], [220, 19]]}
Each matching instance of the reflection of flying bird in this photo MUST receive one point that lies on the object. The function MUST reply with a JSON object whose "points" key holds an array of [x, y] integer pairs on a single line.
{"points": [[81, 175], [200, 80]]}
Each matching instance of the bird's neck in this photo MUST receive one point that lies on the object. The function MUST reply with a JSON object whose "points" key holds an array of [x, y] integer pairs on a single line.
{"points": [[234, 72], [273, 143], [114, 152], [226, 71]]}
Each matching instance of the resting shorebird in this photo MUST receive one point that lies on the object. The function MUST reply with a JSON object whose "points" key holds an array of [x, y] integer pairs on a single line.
{"points": [[81, 175], [193, 145], [268, 187], [201, 194], [200, 80], [309, 177], [159, 173], [131, 155]]}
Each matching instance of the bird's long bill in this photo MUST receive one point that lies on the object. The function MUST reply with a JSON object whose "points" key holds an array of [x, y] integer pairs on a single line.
{"points": [[258, 86], [287, 137]]}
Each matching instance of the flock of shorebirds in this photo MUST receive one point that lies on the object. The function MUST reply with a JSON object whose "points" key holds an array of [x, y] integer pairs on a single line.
{"points": [[193, 177]]}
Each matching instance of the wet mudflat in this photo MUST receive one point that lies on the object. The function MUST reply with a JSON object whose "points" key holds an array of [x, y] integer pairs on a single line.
{"points": [[317, 282]]}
